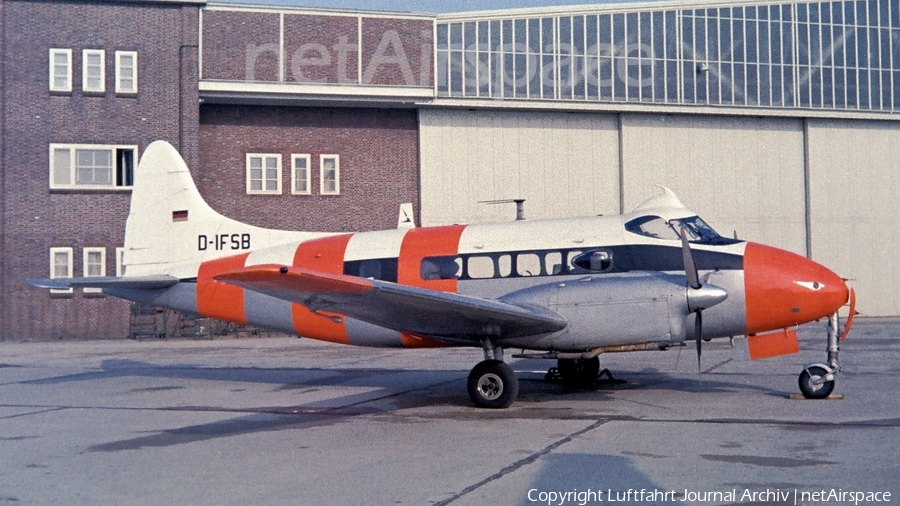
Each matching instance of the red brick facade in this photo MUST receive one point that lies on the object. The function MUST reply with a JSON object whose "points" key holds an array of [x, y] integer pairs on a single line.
{"points": [[36, 218], [254, 46], [377, 148]]}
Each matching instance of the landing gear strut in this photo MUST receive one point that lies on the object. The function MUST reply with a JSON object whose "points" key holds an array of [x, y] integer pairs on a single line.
{"points": [[817, 380], [492, 382]]}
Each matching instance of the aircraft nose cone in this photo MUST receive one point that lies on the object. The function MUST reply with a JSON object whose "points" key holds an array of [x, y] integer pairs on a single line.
{"points": [[783, 289]]}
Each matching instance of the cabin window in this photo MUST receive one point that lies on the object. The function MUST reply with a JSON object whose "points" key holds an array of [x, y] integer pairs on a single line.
{"points": [[553, 263], [480, 267], [595, 261], [504, 265], [384, 269], [433, 268], [528, 264]]}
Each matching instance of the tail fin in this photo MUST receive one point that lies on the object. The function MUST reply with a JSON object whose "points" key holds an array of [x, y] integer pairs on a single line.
{"points": [[171, 229]]}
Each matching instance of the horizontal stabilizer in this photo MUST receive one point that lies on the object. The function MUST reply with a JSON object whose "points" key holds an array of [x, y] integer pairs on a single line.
{"points": [[134, 282], [402, 308]]}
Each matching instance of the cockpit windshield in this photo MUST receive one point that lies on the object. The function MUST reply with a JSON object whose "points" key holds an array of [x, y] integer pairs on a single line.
{"points": [[697, 230]]}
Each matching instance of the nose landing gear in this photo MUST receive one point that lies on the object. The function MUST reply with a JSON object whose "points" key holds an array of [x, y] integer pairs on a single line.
{"points": [[817, 380]]}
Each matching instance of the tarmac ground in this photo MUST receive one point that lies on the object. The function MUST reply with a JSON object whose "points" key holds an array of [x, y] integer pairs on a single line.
{"points": [[295, 421]]}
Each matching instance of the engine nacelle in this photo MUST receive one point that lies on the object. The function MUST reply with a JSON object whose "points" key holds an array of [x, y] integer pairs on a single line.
{"points": [[610, 310]]}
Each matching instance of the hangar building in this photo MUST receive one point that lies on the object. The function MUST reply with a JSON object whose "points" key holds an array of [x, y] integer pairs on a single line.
{"points": [[775, 120]]}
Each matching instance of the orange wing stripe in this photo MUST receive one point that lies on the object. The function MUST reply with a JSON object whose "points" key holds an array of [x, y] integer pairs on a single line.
{"points": [[325, 255]]}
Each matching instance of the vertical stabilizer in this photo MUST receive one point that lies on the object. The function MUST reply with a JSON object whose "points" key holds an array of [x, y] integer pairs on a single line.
{"points": [[171, 229]]}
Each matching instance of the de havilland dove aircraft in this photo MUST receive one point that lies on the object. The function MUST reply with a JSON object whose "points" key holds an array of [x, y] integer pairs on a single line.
{"points": [[565, 289]]}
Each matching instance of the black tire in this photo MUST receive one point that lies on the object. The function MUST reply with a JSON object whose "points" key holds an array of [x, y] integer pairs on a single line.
{"points": [[812, 390], [493, 384], [578, 373]]}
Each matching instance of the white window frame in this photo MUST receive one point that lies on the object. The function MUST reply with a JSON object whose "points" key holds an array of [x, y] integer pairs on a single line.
{"points": [[85, 73], [120, 261], [69, 267], [68, 74], [337, 175], [294, 174], [264, 157], [86, 253], [72, 162], [134, 72]]}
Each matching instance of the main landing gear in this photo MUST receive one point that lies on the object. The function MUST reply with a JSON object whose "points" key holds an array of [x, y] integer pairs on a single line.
{"points": [[577, 374], [492, 382]]}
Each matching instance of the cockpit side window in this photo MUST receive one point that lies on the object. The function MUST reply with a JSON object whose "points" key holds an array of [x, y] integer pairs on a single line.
{"points": [[651, 226]]}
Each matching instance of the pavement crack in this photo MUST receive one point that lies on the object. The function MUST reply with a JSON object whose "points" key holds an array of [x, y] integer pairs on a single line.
{"points": [[515, 466]]}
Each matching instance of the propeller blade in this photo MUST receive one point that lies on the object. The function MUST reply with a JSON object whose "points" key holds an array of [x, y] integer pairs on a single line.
{"points": [[698, 331], [690, 266]]}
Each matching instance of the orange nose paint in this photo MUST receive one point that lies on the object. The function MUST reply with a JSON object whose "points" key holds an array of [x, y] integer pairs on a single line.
{"points": [[783, 289]]}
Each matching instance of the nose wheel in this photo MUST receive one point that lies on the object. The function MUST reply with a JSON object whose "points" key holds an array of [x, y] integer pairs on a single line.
{"points": [[816, 382]]}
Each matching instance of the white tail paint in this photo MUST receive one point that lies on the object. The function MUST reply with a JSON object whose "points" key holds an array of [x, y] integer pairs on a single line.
{"points": [[172, 230]]}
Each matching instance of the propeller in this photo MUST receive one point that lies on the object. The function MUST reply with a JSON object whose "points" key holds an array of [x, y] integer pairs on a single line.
{"points": [[699, 297]]}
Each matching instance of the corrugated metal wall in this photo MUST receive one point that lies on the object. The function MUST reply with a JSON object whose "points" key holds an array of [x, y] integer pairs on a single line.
{"points": [[743, 174]]}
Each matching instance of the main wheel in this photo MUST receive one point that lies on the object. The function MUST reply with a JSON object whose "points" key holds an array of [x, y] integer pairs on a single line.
{"points": [[493, 384], [811, 383], [578, 373]]}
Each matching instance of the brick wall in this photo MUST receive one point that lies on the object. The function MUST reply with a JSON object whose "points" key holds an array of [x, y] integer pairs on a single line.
{"points": [[378, 151], [36, 218], [241, 45]]}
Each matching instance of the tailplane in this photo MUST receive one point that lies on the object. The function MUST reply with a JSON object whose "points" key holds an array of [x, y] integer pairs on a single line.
{"points": [[171, 229]]}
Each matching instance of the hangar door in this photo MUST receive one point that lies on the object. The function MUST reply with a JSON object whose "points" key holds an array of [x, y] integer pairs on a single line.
{"points": [[563, 164]]}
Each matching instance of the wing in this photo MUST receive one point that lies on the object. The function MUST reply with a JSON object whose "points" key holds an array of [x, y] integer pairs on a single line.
{"points": [[398, 307]]}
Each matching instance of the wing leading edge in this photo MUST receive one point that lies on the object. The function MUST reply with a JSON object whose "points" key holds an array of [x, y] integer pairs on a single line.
{"points": [[402, 308]]}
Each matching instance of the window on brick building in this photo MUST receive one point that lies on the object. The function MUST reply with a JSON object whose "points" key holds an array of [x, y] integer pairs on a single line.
{"points": [[61, 70], [61, 266], [94, 265], [91, 166], [330, 174], [263, 174], [126, 72], [93, 75], [300, 175], [120, 261]]}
